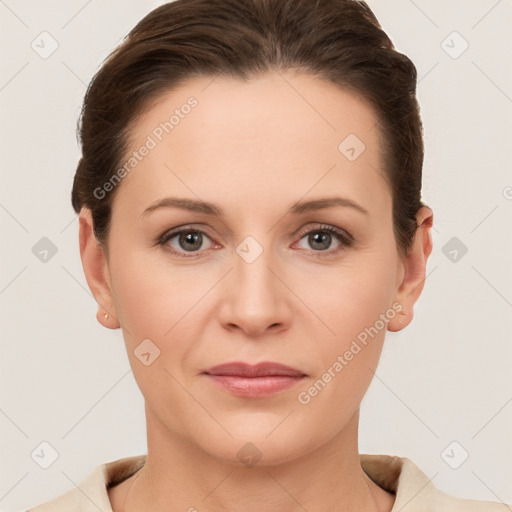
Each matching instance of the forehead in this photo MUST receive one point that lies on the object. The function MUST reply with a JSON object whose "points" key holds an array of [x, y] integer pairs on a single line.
{"points": [[274, 106], [283, 132]]}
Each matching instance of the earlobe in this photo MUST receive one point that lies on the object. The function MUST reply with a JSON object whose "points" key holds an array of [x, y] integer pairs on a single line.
{"points": [[414, 274], [96, 270]]}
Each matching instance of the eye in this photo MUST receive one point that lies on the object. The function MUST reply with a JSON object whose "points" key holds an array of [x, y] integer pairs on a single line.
{"points": [[320, 239], [192, 241], [187, 240]]}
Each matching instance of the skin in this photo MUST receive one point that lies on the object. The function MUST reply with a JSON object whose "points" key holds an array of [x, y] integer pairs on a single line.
{"points": [[254, 148]]}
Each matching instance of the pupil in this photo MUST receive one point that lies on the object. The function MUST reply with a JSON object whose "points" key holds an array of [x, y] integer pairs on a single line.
{"points": [[323, 237], [191, 238]]}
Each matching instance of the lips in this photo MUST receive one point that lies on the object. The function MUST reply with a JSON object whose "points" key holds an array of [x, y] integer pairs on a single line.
{"points": [[254, 381], [264, 369]]}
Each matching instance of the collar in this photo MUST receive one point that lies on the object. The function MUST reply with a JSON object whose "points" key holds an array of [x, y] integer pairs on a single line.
{"points": [[414, 491], [398, 475]]}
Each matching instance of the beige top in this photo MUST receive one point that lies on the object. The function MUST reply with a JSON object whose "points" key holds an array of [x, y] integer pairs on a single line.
{"points": [[399, 475]]}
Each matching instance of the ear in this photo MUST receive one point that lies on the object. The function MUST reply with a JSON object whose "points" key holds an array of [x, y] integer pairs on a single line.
{"points": [[95, 265], [414, 270]]}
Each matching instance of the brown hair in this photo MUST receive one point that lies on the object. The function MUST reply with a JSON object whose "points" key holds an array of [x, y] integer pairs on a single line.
{"points": [[337, 40]]}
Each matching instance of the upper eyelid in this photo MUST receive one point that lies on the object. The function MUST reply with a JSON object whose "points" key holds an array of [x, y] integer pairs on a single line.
{"points": [[325, 227], [319, 227]]}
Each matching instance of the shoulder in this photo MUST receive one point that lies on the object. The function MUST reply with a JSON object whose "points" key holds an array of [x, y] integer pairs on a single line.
{"points": [[89, 491], [415, 491], [442, 502], [418, 494], [91, 494]]}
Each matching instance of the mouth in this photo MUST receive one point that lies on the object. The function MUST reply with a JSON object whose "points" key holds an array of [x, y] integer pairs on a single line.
{"points": [[254, 381]]}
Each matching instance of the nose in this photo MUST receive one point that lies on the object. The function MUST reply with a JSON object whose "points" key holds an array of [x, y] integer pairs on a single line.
{"points": [[255, 299]]}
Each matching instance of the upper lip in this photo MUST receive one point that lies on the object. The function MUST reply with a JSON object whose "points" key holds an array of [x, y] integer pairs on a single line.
{"points": [[265, 368]]}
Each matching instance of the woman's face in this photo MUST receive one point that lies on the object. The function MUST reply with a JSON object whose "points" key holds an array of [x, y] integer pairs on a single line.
{"points": [[264, 281]]}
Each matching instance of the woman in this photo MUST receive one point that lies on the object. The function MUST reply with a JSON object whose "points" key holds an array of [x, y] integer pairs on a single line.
{"points": [[280, 140]]}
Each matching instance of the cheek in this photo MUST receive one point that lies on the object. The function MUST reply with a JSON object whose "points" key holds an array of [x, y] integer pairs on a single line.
{"points": [[152, 303], [357, 313], [151, 295], [354, 306], [351, 298], [165, 304]]}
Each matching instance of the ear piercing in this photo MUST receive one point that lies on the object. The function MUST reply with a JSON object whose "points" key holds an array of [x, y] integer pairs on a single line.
{"points": [[106, 316]]}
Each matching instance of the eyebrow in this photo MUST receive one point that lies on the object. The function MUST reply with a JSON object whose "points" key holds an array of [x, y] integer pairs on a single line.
{"points": [[298, 208]]}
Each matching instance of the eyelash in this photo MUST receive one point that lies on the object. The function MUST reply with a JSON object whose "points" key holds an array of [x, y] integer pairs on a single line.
{"points": [[345, 239]]}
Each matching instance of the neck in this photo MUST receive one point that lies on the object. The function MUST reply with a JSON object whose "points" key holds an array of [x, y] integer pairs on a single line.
{"points": [[179, 476]]}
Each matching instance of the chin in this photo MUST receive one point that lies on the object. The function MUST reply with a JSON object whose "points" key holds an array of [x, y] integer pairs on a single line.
{"points": [[252, 446]]}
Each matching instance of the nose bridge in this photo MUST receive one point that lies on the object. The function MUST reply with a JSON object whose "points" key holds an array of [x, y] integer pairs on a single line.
{"points": [[256, 296], [253, 278]]}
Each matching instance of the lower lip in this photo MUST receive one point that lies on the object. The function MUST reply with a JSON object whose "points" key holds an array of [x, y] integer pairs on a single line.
{"points": [[255, 387]]}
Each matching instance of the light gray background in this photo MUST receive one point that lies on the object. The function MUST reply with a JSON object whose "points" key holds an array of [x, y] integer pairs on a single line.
{"points": [[66, 379]]}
